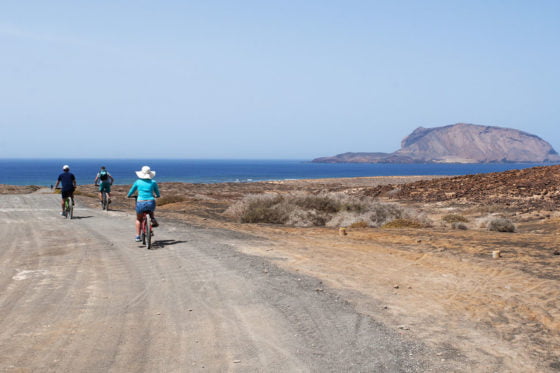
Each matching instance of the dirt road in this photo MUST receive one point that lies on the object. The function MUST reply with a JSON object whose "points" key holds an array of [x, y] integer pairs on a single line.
{"points": [[81, 295]]}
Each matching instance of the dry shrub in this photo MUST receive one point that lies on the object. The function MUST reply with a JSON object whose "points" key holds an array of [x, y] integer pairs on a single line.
{"points": [[258, 208], [405, 223], [454, 218], [459, 225], [501, 225], [306, 209], [168, 199], [359, 224]]}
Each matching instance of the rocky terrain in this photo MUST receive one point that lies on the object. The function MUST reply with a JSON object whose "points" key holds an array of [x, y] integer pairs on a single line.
{"points": [[523, 190], [460, 143]]}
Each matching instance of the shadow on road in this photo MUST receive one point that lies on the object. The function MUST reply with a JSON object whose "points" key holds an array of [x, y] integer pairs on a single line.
{"points": [[81, 217], [163, 243]]}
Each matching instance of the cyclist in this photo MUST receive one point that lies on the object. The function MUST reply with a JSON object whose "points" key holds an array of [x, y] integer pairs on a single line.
{"points": [[105, 181], [147, 188], [67, 180]]}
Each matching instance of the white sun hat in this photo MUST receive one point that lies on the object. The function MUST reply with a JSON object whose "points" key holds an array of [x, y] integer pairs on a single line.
{"points": [[146, 173]]}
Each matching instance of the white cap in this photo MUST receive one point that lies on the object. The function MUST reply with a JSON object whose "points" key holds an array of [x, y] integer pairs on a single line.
{"points": [[65, 167]]}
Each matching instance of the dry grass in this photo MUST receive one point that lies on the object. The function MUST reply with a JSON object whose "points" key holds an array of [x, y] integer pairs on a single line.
{"points": [[454, 218], [169, 199], [359, 224], [405, 223]]}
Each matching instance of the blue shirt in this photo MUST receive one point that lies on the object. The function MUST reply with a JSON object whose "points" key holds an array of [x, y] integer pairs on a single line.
{"points": [[66, 181], [146, 189]]}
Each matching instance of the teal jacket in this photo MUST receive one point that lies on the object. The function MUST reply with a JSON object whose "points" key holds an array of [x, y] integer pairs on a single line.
{"points": [[146, 189]]}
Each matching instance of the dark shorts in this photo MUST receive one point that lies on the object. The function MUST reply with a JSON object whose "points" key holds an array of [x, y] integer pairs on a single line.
{"points": [[105, 186], [67, 193], [145, 206]]}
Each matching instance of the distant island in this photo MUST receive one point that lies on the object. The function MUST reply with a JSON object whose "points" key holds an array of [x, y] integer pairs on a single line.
{"points": [[460, 143]]}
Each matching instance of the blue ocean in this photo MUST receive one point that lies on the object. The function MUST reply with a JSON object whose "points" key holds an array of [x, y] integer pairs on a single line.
{"points": [[44, 172]]}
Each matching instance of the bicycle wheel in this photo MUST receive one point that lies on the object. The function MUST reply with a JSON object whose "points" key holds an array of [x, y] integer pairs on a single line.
{"points": [[105, 203], [148, 231], [70, 213]]}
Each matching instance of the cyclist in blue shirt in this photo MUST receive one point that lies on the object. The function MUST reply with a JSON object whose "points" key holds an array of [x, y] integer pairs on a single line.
{"points": [[147, 189], [67, 182]]}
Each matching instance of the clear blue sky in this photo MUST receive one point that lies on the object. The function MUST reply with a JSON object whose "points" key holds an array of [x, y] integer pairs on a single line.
{"points": [[269, 79]]}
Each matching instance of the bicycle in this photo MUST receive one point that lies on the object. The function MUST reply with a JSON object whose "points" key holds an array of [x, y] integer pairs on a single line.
{"points": [[68, 207], [146, 228], [104, 198], [104, 201]]}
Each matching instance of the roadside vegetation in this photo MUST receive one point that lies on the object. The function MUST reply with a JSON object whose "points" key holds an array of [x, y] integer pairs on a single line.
{"points": [[303, 209]]}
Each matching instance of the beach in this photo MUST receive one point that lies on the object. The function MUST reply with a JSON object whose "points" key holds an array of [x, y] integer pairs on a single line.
{"points": [[477, 299]]}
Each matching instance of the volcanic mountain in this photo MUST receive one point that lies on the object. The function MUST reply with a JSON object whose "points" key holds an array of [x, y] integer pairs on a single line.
{"points": [[460, 143]]}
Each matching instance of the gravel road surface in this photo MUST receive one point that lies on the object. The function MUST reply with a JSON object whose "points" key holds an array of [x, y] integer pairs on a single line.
{"points": [[80, 295]]}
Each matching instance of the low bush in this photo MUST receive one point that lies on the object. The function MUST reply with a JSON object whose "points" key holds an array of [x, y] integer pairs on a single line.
{"points": [[454, 218], [359, 224], [307, 209], [501, 225], [459, 225], [405, 223]]}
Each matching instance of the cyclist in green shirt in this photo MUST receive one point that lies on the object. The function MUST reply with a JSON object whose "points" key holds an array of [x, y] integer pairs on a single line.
{"points": [[105, 180]]}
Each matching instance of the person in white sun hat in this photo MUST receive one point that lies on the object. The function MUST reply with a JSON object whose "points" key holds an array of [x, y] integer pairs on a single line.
{"points": [[147, 192]]}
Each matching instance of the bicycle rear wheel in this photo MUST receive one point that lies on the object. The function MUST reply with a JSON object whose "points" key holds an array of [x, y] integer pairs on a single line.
{"points": [[105, 203], [148, 231]]}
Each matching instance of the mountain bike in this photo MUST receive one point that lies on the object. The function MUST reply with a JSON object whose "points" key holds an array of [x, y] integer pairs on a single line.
{"points": [[68, 206], [146, 228]]}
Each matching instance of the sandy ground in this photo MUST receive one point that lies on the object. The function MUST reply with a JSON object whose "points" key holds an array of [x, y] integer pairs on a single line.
{"points": [[437, 288], [81, 295]]}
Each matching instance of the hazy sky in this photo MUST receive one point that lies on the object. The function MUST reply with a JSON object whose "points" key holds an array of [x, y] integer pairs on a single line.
{"points": [[269, 79]]}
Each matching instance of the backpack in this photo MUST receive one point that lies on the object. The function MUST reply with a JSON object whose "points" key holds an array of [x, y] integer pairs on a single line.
{"points": [[103, 175]]}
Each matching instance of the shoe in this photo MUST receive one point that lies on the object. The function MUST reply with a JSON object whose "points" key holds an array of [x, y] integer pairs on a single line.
{"points": [[155, 223], [63, 213], [109, 201], [138, 239]]}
